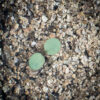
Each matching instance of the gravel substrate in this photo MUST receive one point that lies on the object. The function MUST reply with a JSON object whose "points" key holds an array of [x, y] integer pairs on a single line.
{"points": [[71, 74]]}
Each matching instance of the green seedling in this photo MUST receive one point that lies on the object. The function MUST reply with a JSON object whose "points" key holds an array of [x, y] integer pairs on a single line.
{"points": [[36, 61], [52, 46]]}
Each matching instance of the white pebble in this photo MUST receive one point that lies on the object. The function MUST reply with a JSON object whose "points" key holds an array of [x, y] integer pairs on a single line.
{"points": [[84, 60], [45, 89], [33, 44], [5, 89], [98, 51], [67, 70], [16, 60], [49, 82], [77, 50], [44, 18], [69, 18]]}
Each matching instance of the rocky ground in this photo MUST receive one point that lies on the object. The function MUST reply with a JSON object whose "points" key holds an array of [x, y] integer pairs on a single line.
{"points": [[73, 73]]}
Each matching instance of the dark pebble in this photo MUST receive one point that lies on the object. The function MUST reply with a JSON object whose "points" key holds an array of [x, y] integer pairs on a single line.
{"points": [[55, 7]]}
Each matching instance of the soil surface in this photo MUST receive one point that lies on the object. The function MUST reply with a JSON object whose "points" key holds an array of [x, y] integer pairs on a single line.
{"points": [[71, 74]]}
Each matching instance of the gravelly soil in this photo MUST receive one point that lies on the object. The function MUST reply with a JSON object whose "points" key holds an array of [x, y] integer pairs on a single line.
{"points": [[73, 73]]}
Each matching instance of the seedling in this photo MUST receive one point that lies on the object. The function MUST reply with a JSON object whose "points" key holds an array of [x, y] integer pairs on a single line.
{"points": [[36, 61], [52, 46]]}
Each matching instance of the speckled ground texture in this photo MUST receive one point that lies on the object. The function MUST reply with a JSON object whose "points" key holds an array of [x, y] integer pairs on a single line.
{"points": [[73, 73]]}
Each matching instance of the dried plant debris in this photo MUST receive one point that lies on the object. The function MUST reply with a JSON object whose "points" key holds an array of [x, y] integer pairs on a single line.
{"points": [[73, 73]]}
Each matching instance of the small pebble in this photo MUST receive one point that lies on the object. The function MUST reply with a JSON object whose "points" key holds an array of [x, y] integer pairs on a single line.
{"points": [[33, 43], [44, 18], [45, 89]]}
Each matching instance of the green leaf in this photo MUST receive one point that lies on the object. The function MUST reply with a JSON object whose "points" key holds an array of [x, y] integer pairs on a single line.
{"points": [[36, 61], [52, 46]]}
